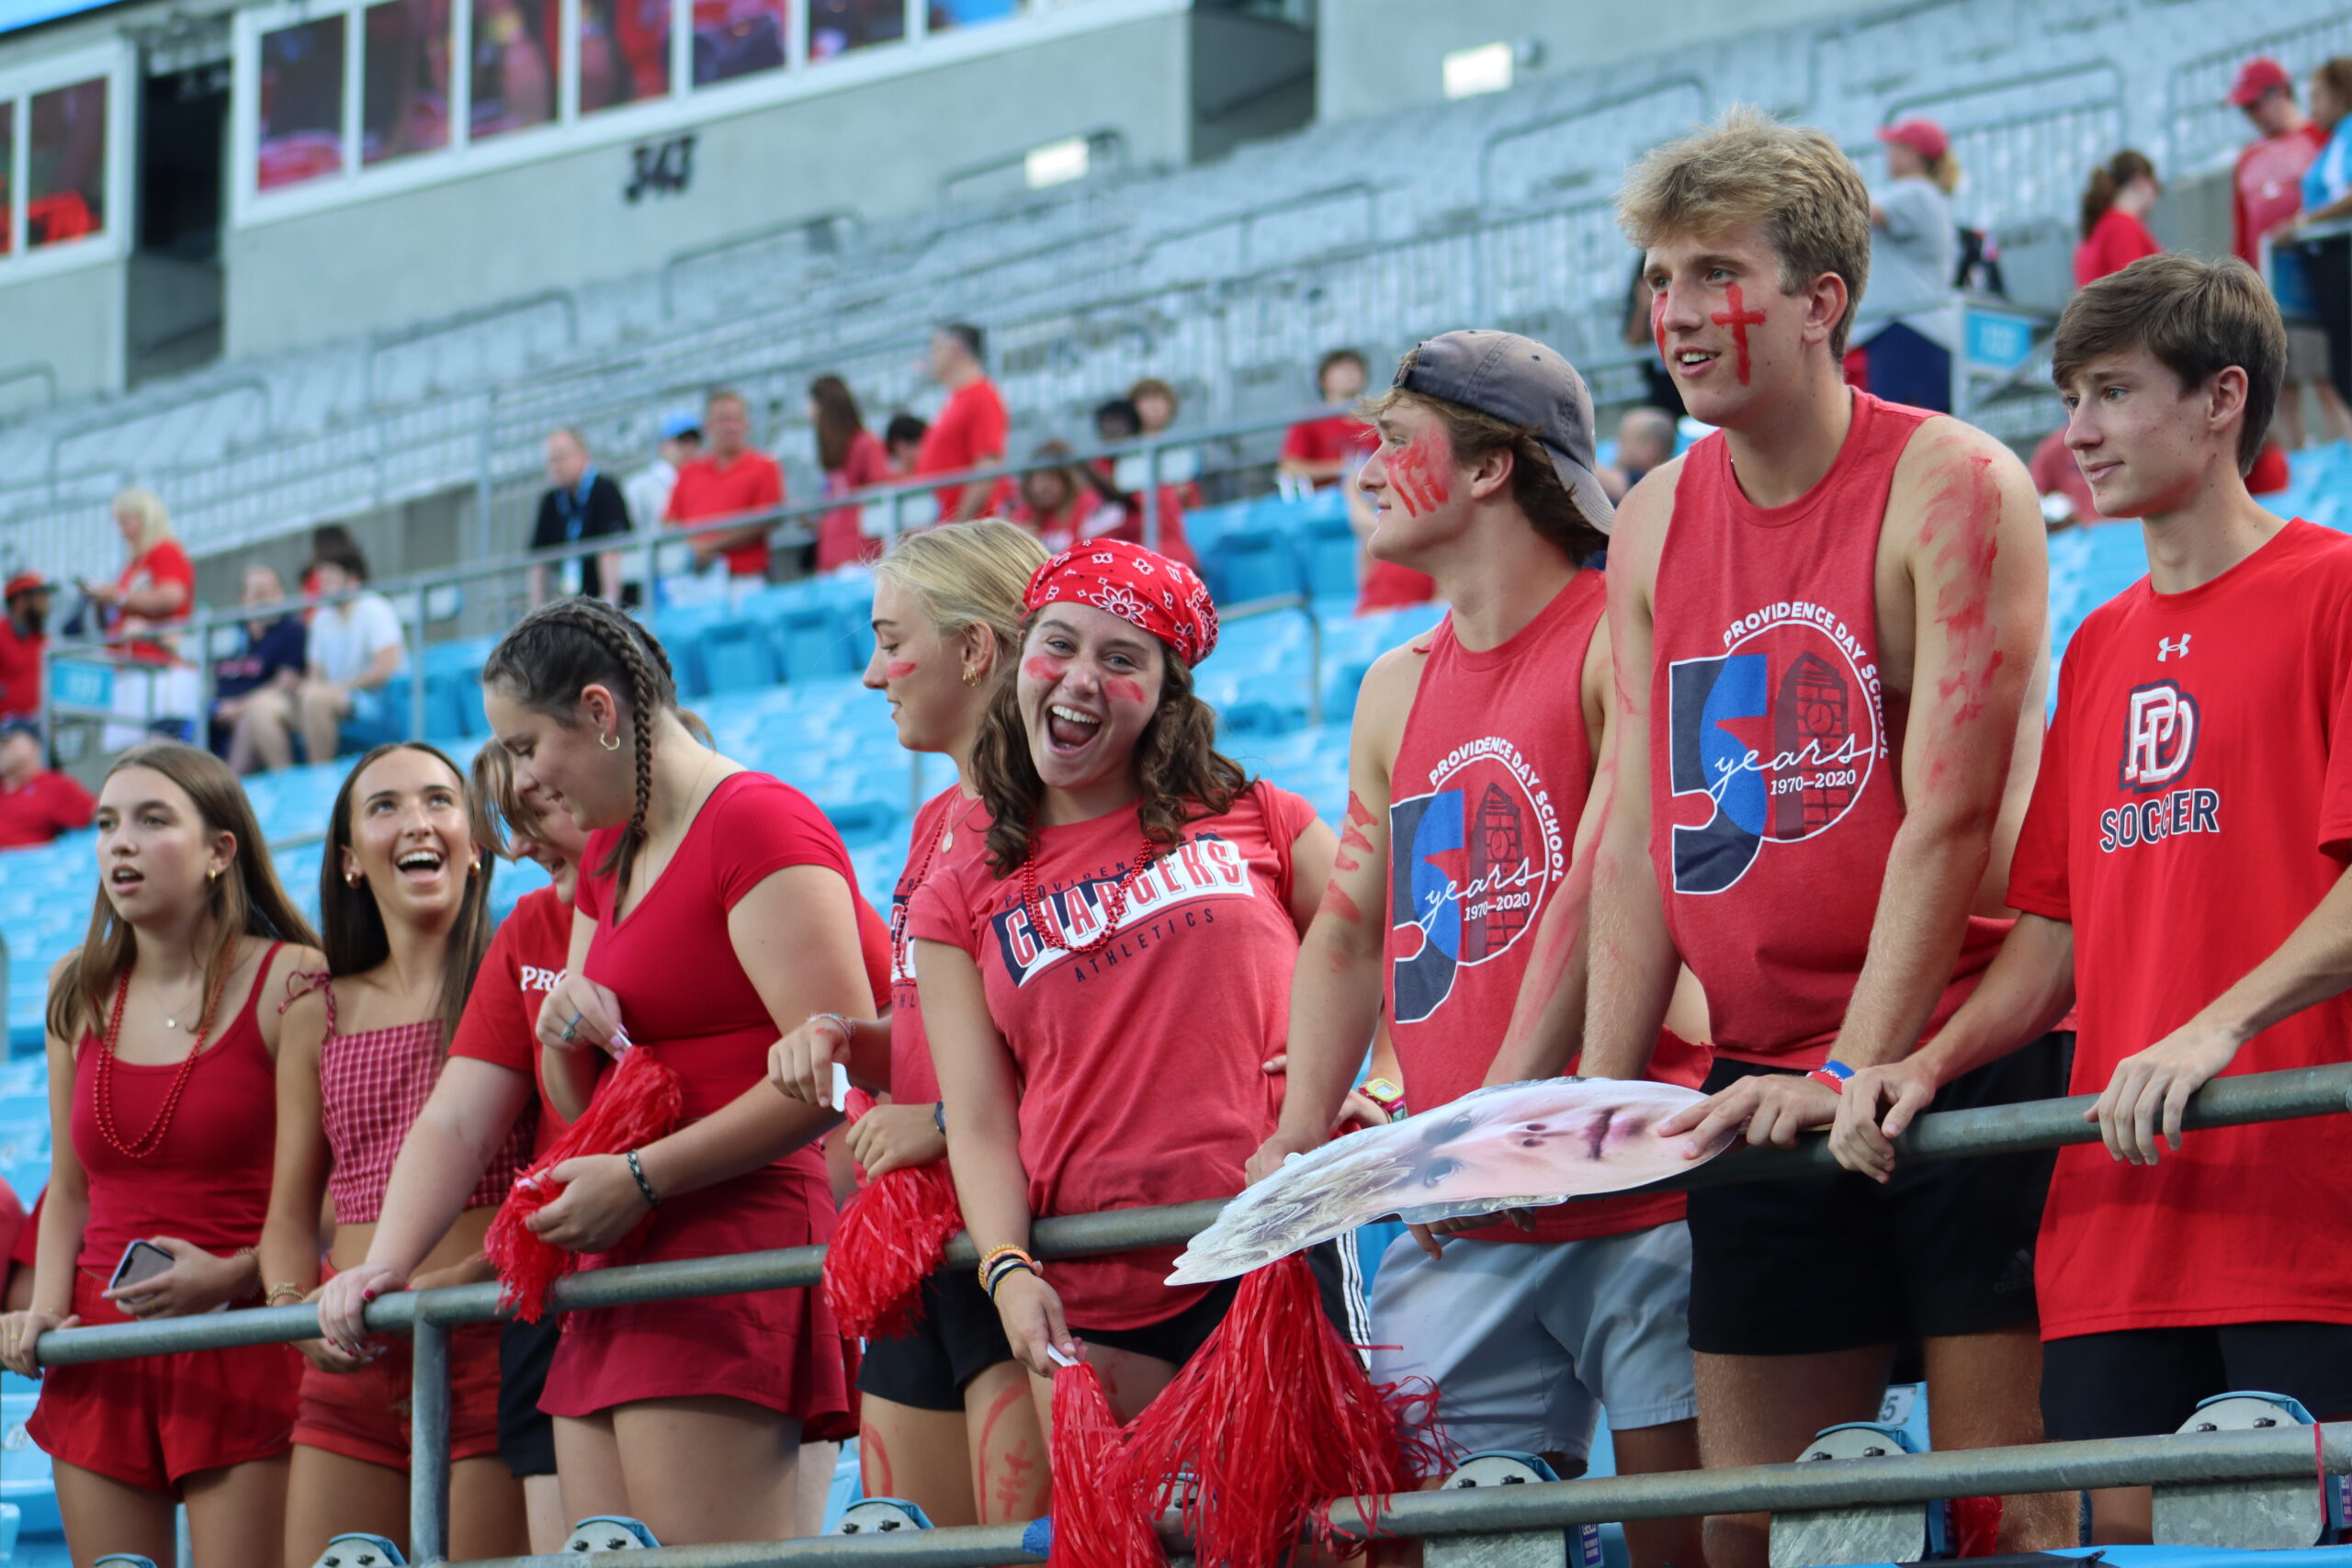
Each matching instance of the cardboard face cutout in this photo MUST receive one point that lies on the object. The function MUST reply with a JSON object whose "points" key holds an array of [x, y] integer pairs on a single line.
{"points": [[1522, 1145]]}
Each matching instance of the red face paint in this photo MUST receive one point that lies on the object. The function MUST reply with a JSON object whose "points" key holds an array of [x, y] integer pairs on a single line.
{"points": [[1356, 810], [1041, 669], [1962, 527], [1419, 475], [1657, 321], [1015, 1493], [1738, 319], [1016, 1461], [898, 669], [1353, 838], [1121, 689], [873, 1464], [1336, 901]]}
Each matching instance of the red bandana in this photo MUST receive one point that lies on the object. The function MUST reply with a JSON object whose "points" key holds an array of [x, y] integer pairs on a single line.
{"points": [[1148, 592]]}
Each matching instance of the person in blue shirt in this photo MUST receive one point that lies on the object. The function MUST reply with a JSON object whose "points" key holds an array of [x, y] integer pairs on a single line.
{"points": [[2327, 200], [579, 503], [270, 652]]}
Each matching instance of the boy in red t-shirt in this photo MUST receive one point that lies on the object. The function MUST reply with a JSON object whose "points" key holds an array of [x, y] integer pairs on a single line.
{"points": [[1455, 903], [1827, 622], [728, 480], [970, 430], [2180, 876]]}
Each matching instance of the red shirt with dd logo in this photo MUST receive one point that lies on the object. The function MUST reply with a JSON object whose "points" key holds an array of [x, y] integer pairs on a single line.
{"points": [[2194, 804]]}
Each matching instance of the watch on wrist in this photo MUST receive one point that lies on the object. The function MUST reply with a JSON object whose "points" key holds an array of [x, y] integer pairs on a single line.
{"points": [[1389, 1096]]}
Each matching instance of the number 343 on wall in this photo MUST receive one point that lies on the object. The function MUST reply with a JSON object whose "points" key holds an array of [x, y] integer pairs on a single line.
{"points": [[661, 168]]}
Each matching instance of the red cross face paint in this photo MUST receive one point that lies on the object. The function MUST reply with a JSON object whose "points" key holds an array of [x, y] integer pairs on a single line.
{"points": [[1738, 319], [1420, 476]]}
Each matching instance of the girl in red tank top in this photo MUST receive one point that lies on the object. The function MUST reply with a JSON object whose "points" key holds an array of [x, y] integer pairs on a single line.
{"points": [[716, 910], [405, 896], [946, 612], [160, 1071]]}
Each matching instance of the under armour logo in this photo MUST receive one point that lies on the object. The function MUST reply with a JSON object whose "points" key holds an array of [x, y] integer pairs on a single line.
{"points": [[2166, 647], [2159, 737]]}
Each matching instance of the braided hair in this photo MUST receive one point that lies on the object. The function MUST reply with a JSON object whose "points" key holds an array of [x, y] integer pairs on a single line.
{"points": [[560, 650]]}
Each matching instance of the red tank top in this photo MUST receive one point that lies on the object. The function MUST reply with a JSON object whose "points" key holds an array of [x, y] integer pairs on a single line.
{"points": [[1774, 799], [1490, 778], [950, 828], [209, 1181]]}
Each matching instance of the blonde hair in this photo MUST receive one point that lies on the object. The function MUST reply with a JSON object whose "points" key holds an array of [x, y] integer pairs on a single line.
{"points": [[972, 574], [154, 522], [1750, 168], [1945, 171]]}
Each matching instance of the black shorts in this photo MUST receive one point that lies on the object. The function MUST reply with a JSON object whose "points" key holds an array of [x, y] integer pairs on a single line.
{"points": [[526, 1432], [958, 1337], [2138, 1382], [1178, 1340], [1837, 1262]]}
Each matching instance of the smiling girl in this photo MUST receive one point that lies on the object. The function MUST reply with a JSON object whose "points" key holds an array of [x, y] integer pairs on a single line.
{"points": [[160, 1063], [1101, 986], [404, 896]]}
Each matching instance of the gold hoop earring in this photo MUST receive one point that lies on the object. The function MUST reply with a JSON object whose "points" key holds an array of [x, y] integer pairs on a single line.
{"points": [[609, 742], [351, 879]]}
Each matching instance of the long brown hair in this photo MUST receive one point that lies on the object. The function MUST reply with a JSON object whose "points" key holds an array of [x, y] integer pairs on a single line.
{"points": [[2107, 183], [838, 421], [247, 900], [1176, 763], [562, 648], [352, 922]]}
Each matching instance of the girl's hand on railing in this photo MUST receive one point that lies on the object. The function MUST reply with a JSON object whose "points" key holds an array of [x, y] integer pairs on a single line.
{"points": [[21, 1331], [600, 1203], [893, 1137], [339, 1353], [1031, 1314], [345, 1298], [800, 1066]]}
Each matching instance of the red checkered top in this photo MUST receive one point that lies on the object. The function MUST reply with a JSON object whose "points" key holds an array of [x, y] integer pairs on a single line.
{"points": [[373, 1086]]}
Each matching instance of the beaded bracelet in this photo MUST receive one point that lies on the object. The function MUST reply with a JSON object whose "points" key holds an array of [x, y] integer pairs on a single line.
{"points": [[1008, 1268], [998, 1256], [286, 1287], [652, 1199]]}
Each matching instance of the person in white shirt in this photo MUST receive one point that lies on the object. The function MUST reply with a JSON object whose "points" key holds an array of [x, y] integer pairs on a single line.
{"points": [[648, 490], [356, 650]]}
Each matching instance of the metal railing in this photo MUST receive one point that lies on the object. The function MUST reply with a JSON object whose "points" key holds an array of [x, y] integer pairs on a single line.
{"points": [[1941, 1135]]}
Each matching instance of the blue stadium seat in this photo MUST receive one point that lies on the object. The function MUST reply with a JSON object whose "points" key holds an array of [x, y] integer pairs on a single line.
{"points": [[1328, 551], [737, 657], [1258, 719], [1253, 563], [1341, 683], [813, 642]]}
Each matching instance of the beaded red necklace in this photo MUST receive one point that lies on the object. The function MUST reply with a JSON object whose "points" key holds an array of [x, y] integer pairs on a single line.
{"points": [[898, 907], [102, 1099], [1114, 900]]}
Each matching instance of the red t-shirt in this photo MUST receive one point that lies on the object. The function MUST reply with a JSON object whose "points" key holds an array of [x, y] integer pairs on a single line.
{"points": [[2266, 189], [2194, 805], [1140, 1067], [752, 482], [1334, 438], [526, 959], [164, 563], [970, 431], [19, 671], [49, 804], [840, 540], [2116, 241], [1387, 585], [914, 1080], [1490, 779]]}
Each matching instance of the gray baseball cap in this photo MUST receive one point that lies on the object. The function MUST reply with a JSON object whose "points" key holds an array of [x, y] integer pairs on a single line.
{"points": [[1519, 381]]}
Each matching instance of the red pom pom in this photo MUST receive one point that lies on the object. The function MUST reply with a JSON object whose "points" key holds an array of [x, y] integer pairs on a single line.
{"points": [[1976, 1527], [890, 1239], [1275, 1419], [637, 1101], [1099, 1515]]}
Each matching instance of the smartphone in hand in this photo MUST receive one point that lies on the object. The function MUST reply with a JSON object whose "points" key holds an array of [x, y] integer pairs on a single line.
{"points": [[141, 1261]]}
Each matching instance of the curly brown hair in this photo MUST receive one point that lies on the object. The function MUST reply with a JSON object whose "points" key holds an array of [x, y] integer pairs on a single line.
{"points": [[1176, 763]]}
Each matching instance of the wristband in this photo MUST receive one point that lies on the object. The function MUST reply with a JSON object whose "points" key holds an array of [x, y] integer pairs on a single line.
{"points": [[1006, 1268], [652, 1199], [287, 1289], [939, 1116], [1833, 1074], [999, 1256]]}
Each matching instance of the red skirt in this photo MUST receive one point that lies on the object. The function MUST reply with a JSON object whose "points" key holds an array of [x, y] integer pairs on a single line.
{"points": [[153, 1422], [781, 1349]]}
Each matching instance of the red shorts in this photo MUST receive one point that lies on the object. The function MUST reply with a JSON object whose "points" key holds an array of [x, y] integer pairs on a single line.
{"points": [[365, 1414], [153, 1422]]}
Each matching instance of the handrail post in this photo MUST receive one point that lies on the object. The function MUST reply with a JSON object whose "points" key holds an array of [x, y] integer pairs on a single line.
{"points": [[1314, 662], [416, 674], [1151, 496], [200, 629], [428, 1471]]}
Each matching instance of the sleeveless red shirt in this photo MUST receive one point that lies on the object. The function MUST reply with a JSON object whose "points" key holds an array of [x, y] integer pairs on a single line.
{"points": [[1490, 779], [208, 1183], [1774, 797]]}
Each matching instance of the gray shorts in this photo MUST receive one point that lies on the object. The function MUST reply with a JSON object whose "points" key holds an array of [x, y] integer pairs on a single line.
{"points": [[1527, 1342], [2306, 354]]}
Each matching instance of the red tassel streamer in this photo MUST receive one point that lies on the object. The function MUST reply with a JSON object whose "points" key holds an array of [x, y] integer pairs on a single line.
{"points": [[1272, 1419], [890, 1239], [637, 1101], [1976, 1527], [1099, 1514]]}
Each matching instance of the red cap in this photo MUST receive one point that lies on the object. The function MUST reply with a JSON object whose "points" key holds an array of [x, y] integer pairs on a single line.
{"points": [[2256, 77], [1924, 137], [24, 582]]}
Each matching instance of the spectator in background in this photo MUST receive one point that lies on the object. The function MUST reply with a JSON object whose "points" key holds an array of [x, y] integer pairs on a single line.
{"points": [[356, 648], [2116, 204], [329, 541], [902, 440], [2265, 193], [1154, 402], [1646, 440], [158, 583], [581, 503], [853, 458], [1120, 482], [273, 654], [1061, 505], [23, 635], [1907, 324], [648, 490], [36, 803], [1322, 451], [728, 481], [2327, 197], [970, 430]]}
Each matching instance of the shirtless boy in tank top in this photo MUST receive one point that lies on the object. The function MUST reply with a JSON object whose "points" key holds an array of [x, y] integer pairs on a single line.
{"points": [[1828, 627]]}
